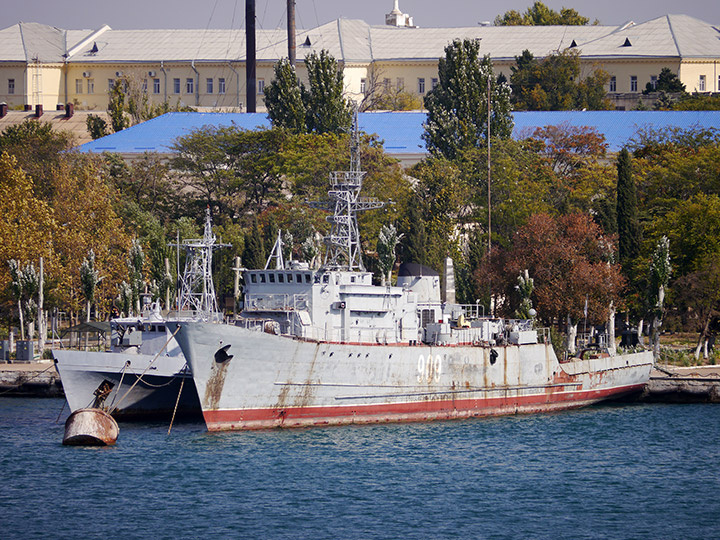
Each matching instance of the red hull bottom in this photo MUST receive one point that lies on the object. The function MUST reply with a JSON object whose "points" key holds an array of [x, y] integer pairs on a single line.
{"points": [[419, 411]]}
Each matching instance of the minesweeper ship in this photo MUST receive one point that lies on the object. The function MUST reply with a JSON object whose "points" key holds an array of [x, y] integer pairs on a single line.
{"points": [[318, 347], [144, 374]]}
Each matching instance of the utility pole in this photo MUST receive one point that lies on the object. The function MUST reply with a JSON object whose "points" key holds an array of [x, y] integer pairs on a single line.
{"points": [[291, 31], [250, 83]]}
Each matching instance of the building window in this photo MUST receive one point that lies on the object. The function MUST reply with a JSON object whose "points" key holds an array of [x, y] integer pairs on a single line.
{"points": [[78, 86], [701, 84], [653, 81], [386, 84], [156, 86], [111, 84], [363, 86], [421, 85], [91, 86], [261, 86], [400, 84], [613, 84], [221, 86], [209, 85], [144, 86], [176, 86], [11, 86], [434, 83], [189, 85], [633, 83]]}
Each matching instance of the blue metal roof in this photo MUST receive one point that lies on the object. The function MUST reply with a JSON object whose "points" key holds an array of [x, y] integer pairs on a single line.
{"points": [[401, 132]]}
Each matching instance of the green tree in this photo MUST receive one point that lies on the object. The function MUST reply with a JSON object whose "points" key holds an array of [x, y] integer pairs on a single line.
{"points": [[117, 108], [284, 99], [38, 149], [415, 242], [540, 15], [667, 81], [327, 111], [697, 102], [254, 253], [554, 83], [96, 126], [627, 210], [458, 106]]}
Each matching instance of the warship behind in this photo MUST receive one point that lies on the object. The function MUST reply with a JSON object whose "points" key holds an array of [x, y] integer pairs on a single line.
{"points": [[326, 347], [144, 374]]}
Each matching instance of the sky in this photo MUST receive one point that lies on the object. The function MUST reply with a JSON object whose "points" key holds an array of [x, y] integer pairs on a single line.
{"points": [[164, 14]]}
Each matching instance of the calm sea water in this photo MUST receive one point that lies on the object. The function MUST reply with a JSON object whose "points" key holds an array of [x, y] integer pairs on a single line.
{"points": [[630, 471]]}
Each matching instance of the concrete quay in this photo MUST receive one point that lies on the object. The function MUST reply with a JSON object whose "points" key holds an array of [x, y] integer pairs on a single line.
{"points": [[34, 379], [673, 384]]}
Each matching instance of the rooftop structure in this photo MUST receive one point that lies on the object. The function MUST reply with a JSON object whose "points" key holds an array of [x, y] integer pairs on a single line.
{"points": [[44, 65], [401, 132]]}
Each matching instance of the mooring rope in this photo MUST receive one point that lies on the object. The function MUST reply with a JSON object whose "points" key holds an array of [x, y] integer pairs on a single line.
{"points": [[177, 402], [122, 376], [151, 385], [143, 373], [57, 420]]}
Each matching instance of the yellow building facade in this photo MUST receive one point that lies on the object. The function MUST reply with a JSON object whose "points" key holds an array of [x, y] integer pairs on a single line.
{"points": [[205, 69]]}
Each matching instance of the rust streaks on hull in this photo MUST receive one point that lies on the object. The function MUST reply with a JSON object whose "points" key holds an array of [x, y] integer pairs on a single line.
{"points": [[215, 385], [448, 409]]}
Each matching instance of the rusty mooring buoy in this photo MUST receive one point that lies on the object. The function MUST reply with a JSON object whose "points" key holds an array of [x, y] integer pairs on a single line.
{"points": [[90, 427]]}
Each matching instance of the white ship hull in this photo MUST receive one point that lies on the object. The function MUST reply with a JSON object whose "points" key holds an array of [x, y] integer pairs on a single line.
{"points": [[248, 379], [154, 395]]}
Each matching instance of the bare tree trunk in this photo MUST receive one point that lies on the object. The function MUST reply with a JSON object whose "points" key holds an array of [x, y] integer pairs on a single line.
{"points": [[87, 319], [641, 340], [167, 290], [611, 329], [42, 321], [657, 323], [22, 323], [703, 339], [571, 336]]}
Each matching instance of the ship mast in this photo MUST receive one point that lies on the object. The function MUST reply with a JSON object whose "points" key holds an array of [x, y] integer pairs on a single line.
{"points": [[197, 291], [343, 243]]}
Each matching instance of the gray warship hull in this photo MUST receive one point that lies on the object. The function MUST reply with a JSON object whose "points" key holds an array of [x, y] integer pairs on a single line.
{"points": [[250, 379]]}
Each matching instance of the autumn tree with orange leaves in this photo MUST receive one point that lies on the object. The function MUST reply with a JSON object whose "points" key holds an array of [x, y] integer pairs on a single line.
{"points": [[570, 259]]}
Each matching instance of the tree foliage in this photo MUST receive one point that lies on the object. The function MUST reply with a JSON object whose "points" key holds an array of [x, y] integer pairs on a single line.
{"points": [[320, 107], [627, 211], [458, 106], [117, 107], [540, 15], [556, 83], [569, 259], [327, 111], [667, 81], [284, 98]]}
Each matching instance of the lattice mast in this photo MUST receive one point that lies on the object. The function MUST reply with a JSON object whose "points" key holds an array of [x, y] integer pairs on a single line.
{"points": [[197, 291], [343, 243]]}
